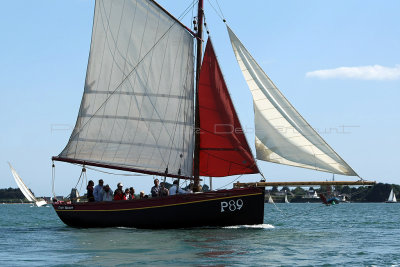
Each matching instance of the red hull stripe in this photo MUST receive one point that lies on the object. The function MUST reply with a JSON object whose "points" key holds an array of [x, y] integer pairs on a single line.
{"points": [[167, 205]]}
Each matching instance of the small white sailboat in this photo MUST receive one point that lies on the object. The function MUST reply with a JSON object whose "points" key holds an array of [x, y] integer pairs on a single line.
{"points": [[25, 190], [270, 200], [286, 200], [392, 197]]}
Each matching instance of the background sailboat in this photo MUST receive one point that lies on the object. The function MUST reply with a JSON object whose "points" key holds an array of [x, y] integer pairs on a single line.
{"points": [[392, 197], [25, 190], [286, 199], [270, 200]]}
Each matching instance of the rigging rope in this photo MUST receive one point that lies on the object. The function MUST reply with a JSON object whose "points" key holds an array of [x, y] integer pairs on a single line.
{"points": [[216, 11], [220, 10]]}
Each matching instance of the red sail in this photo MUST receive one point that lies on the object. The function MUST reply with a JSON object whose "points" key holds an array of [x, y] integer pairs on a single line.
{"points": [[223, 147]]}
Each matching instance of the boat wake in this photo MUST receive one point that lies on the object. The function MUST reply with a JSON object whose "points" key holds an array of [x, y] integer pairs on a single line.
{"points": [[255, 226]]}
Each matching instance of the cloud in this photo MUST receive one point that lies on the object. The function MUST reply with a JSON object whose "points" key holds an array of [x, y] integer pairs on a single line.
{"points": [[375, 72]]}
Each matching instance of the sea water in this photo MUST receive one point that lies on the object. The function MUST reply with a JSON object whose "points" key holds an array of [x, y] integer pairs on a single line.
{"points": [[348, 234]]}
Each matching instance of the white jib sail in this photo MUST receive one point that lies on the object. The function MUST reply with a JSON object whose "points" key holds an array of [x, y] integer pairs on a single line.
{"points": [[282, 135], [137, 107], [24, 189]]}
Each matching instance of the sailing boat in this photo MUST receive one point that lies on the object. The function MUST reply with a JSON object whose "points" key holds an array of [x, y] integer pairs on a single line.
{"points": [[140, 104], [270, 200], [286, 199], [391, 198], [25, 190]]}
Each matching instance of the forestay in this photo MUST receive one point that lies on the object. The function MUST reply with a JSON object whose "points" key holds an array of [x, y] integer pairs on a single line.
{"points": [[137, 107], [282, 135]]}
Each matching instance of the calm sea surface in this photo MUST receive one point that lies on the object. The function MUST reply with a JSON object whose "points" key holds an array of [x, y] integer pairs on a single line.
{"points": [[293, 234]]}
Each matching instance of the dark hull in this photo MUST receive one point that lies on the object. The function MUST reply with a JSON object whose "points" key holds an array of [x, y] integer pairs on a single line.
{"points": [[243, 206]]}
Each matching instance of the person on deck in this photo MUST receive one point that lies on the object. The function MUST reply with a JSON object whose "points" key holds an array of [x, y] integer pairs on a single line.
{"points": [[175, 189], [97, 191], [119, 193], [157, 190], [132, 193], [89, 194], [106, 193]]}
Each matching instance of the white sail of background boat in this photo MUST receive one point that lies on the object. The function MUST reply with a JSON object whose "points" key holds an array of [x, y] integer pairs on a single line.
{"points": [[270, 200], [25, 190], [286, 200], [392, 197]]}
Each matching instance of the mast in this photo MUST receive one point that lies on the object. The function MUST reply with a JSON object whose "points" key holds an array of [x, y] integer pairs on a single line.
{"points": [[196, 158]]}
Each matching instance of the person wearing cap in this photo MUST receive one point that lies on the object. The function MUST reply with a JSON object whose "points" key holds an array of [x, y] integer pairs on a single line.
{"points": [[106, 193], [119, 193], [97, 191], [175, 189]]}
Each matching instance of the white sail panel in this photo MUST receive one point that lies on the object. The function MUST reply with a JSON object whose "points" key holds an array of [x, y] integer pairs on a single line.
{"points": [[24, 189], [137, 107], [282, 135]]}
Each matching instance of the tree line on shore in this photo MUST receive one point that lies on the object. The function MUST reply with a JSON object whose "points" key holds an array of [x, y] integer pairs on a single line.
{"points": [[11, 195], [377, 193]]}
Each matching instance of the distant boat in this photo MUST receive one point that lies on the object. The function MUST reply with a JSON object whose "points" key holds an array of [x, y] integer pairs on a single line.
{"points": [[25, 190], [392, 197], [344, 199], [270, 200], [286, 200]]}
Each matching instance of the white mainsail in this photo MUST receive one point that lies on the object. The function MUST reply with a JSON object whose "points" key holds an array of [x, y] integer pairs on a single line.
{"points": [[282, 135], [137, 107], [270, 200], [24, 189]]}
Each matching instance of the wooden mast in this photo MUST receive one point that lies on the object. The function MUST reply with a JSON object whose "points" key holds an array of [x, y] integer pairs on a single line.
{"points": [[196, 158]]}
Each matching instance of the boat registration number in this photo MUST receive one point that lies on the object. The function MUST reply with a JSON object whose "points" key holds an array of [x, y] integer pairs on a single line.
{"points": [[231, 205]]}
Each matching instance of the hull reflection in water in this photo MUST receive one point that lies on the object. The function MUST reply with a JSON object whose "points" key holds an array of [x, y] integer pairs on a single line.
{"points": [[219, 208]]}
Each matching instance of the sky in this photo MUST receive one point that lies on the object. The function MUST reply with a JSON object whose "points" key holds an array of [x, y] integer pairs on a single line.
{"points": [[337, 62]]}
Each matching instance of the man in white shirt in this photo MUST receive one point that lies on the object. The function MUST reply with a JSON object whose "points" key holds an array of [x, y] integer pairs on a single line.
{"points": [[175, 189], [98, 196]]}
